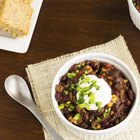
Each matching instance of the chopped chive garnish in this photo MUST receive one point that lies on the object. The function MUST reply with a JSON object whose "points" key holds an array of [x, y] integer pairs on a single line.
{"points": [[106, 111], [93, 81], [82, 77], [80, 101], [99, 105], [91, 98], [67, 86], [77, 71], [89, 93], [94, 128], [105, 114], [85, 80], [109, 109], [87, 106], [71, 75], [72, 86], [83, 64], [61, 106], [68, 102], [98, 119], [86, 88], [86, 72], [79, 89], [66, 92], [77, 116], [71, 107], [81, 106], [79, 65], [97, 87]]}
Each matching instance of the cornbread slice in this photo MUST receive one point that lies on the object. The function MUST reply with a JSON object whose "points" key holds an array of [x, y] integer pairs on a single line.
{"points": [[28, 1], [15, 16]]}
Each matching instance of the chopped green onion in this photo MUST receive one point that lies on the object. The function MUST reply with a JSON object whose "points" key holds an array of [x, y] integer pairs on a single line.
{"points": [[93, 81], [105, 114], [67, 86], [106, 111], [82, 77], [86, 88], [85, 80], [91, 98], [81, 106], [79, 65], [66, 92], [89, 93], [86, 72], [72, 86], [99, 105], [80, 101], [71, 75], [71, 107], [109, 109], [68, 102], [79, 89], [97, 87], [87, 106], [98, 119], [61, 106], [77, 71], [77, 116], [83, 64], [94, 127]]}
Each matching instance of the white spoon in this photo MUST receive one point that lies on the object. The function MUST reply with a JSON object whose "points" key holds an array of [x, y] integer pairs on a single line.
{"points": [[17, 88]]}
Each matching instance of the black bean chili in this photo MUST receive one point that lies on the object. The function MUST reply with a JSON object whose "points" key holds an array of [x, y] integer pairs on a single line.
{"points": [[108, 116], [137, 4]]}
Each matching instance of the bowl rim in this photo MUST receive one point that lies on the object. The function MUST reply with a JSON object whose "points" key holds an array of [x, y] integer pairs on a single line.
{"points": [[134, 8], [108, 57]]}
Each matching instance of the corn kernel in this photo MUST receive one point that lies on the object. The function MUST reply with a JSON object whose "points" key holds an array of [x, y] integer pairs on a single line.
{"points": [[109, 77], [112, 112], [104, 74], [110, 104], [70, 119], [114, 98], [125, 81], [104, 69], [98, 126], [88, 69], [110, 83]]}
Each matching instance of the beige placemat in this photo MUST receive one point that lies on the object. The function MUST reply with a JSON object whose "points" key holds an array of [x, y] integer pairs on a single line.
{"points": [[41, 76]]}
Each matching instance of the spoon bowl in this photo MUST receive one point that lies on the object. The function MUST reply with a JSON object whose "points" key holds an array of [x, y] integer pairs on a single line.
{"points": [[17, 88]]}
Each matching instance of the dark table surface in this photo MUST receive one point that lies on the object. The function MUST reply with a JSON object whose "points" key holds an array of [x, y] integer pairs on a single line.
{"points": [[63, 26]]}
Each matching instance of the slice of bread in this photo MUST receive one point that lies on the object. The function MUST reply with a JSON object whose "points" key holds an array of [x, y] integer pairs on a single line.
{"points": [[15, 16], [28, 1]]}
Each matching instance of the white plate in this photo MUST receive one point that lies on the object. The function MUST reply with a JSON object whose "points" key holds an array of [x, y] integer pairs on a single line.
{"points": [[21, 45]]}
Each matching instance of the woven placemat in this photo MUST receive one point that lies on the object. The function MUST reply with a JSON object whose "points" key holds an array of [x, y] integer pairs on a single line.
{"points": [[41, 76]]}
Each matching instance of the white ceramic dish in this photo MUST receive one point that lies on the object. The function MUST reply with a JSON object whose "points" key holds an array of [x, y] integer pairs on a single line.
{"points": [[96, 134], [135, 15], [21, 45]]}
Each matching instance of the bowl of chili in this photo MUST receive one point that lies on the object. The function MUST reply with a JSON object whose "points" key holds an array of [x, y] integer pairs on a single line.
{"points": [[95, 95]]}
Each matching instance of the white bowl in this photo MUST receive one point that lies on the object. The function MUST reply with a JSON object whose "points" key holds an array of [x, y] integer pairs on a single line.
{"points": [[135, 15], [96, 134]]}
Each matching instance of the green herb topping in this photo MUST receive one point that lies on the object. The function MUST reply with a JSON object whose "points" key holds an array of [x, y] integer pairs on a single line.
{"points": [[71, 75], [61, 106]]}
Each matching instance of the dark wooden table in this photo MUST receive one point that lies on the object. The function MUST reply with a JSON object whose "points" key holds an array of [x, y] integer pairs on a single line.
{"points": [[63, 26]]}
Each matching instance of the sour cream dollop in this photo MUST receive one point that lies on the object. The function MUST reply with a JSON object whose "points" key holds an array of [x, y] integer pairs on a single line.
{"points": [[95, 92]]}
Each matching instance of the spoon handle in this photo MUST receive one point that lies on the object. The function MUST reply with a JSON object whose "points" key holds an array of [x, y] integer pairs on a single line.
{"points": [[49, 129]]}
